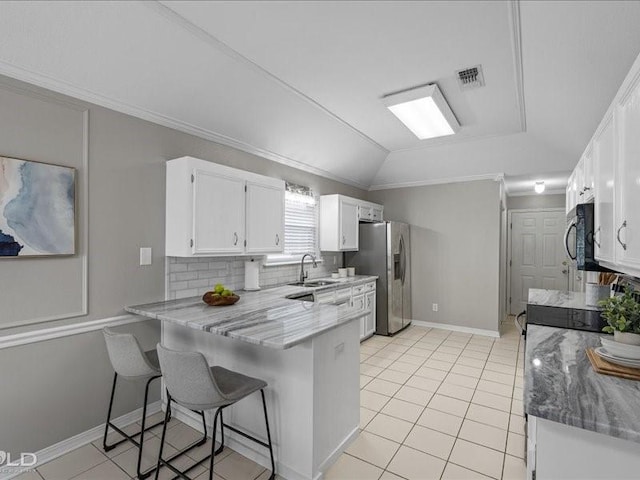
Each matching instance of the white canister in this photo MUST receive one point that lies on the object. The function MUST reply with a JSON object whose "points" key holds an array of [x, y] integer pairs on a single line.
{"points": [[342, 272], [351, 271], [594, 293]]}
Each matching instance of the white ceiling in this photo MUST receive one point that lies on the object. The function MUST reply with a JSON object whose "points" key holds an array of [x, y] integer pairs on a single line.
{"points": [[301, 82]]}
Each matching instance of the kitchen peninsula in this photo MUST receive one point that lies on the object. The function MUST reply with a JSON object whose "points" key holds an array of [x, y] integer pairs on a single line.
{"points": [[307, 352]]}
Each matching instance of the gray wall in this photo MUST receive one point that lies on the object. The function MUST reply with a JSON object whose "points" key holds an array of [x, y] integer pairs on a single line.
{"points": [[455, 246], [59, 388], [536, 201]]}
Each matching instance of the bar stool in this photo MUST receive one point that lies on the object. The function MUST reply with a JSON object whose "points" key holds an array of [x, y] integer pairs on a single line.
{"points": [[192, 383], [130, 362]]}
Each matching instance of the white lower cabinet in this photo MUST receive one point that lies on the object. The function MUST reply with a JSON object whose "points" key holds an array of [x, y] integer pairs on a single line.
{"points": [[556, 451], [370, 320], [361, 297]]}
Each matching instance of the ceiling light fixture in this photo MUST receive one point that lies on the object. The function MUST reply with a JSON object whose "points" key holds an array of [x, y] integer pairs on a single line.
{"points": [[424, 111], [539, 187]]}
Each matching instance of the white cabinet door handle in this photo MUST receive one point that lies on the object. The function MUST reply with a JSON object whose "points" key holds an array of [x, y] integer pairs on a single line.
{"points": [[235, 238], [344, 239], [624, 225], [277, 239]]}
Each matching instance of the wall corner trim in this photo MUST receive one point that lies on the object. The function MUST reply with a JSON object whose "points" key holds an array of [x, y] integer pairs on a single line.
{"points": [[65, 446], [45, 334]]}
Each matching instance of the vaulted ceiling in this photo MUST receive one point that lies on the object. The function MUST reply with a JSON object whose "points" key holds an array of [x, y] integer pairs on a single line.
{"points": [[301, 82]]}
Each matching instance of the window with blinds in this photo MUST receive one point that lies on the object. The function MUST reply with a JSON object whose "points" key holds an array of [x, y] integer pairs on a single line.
{"points": [[300, 224]]}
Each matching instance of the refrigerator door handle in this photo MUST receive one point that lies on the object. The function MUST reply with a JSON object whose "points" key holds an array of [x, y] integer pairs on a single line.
{"points": [[403, 260]]}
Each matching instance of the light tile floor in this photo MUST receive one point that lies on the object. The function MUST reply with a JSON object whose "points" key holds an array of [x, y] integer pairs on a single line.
{"points": [[90, 462], [434, 405], [438, 405]]}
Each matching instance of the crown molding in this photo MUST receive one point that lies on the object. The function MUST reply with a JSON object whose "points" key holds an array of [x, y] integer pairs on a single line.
{"points": [[496, 177], [75, 92]]}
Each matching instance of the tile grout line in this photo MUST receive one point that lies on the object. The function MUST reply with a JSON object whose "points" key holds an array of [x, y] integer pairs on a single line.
{"points": [[466, 344], [448, 373]]}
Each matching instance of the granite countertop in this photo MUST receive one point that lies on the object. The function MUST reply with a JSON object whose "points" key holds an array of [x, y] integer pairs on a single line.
{"points": [[559, 298], [560, 385], [263, 317]]}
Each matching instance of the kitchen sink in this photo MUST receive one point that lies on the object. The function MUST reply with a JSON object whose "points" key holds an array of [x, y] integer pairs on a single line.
{"points": [[305, 297], [320, 283]]}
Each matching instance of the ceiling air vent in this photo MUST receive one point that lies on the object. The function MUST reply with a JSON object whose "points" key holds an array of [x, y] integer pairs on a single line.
{"points": [[469, 78]]}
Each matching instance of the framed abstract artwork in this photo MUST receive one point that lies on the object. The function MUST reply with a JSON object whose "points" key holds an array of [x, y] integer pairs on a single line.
{"points": [[37, 209]]}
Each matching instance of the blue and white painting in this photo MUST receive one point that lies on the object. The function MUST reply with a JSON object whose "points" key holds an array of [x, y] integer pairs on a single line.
{"points": [[37, 209]]}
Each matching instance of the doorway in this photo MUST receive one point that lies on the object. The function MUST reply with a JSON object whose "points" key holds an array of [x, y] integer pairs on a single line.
{"points": [[536, 254]]}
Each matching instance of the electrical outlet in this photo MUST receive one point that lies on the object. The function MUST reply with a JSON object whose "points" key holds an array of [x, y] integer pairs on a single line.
{"points": [[145, 256], [435, 307]]}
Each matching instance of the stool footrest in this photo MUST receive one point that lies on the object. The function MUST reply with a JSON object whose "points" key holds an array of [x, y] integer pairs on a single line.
{"points": [[127, 437], [246, 435]]}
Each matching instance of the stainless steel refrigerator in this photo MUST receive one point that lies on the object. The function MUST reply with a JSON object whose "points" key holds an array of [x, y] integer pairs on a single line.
{"points": [[384, 250]]}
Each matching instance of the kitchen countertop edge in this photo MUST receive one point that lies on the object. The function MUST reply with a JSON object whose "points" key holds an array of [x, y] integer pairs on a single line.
{"points": [[560, 385]]}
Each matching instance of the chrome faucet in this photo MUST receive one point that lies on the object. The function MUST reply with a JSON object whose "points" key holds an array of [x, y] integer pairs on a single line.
{"points": [[303, 274]]}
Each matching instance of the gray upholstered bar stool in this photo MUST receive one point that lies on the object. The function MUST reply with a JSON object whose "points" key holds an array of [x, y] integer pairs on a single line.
{"points": [[192, 383], [130, 362]]}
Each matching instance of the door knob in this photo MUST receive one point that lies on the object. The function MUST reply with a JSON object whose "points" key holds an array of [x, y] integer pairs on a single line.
{"points": [[565, 271]]}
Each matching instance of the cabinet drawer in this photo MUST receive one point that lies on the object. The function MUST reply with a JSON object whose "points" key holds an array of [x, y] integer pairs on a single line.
{"points": [[370, 286], [358, 289]]}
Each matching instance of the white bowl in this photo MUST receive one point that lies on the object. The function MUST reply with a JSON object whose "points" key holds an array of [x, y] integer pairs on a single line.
{"points": [[621, 350]]}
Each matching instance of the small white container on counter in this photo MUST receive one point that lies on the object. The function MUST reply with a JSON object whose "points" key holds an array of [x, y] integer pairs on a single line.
{"points": [[335, 275], [342, 272], [351, 271]]}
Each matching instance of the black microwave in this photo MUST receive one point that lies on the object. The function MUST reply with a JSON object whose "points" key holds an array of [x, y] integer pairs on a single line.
{"points": [[579, 239]]}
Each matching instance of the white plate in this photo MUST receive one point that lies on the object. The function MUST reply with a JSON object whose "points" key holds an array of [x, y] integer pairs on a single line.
{"points": [[621, 350], [618, 361]]}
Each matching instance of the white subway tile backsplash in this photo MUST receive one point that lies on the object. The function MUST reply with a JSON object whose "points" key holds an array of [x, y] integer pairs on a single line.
{"points": [[188, 277]]}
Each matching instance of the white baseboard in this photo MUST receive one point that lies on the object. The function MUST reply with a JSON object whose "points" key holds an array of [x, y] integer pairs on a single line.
{"points": [[333, 456], [65, 446], [456, 328]]}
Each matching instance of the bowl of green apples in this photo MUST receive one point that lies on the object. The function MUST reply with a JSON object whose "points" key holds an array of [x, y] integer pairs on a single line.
{"points": [[220, 296]]}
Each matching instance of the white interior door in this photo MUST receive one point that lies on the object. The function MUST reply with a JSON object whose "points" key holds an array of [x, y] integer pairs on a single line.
{"points": [[537, 255]]}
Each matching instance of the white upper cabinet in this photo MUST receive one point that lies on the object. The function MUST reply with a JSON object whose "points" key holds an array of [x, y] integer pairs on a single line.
{"points": [[265, 211], [370, 212], [588, 189], [627, 211], [604, 149], [338, 223], [348, 228], [218, 213], [615, 160], [214, 210]]}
